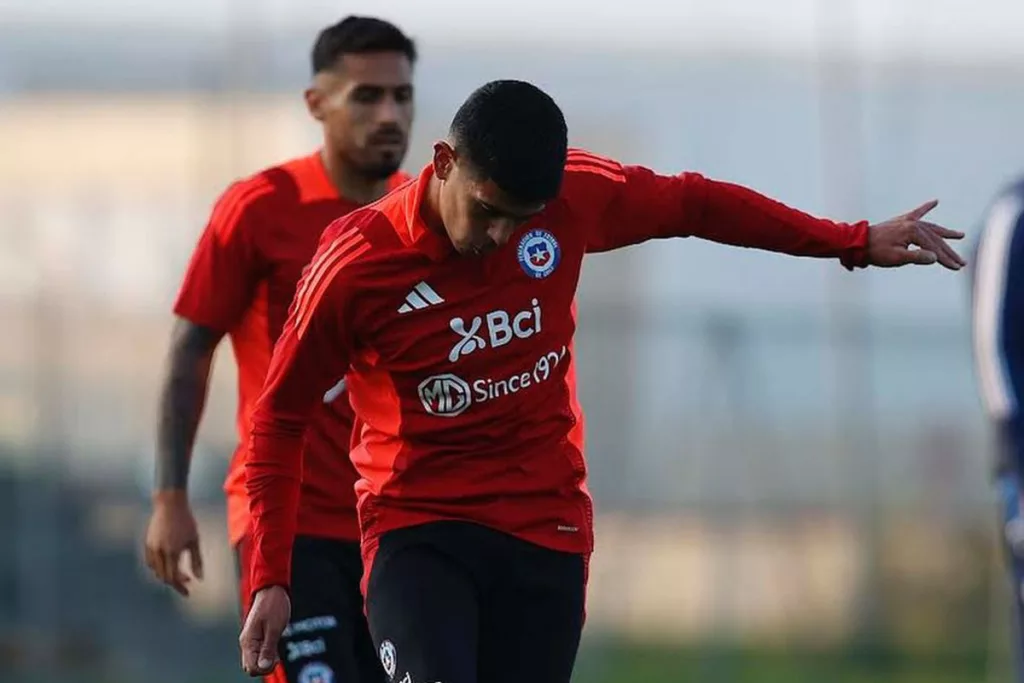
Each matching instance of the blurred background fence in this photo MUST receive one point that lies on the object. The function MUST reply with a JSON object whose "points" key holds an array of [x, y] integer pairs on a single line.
{"points": [[789, 461]]}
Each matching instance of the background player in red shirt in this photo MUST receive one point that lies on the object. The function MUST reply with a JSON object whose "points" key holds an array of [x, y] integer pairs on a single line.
{"points": [[450, 305], [240, 282]]}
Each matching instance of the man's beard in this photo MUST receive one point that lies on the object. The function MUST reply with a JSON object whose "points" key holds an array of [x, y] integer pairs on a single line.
{"points": [[386, 167]]}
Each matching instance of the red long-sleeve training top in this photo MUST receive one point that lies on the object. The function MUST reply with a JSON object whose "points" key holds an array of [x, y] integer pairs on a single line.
{"points": [[460, 369]]}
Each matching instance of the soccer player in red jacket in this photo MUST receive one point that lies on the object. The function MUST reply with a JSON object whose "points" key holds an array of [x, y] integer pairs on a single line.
{"points": [[449, 303], [240, 283]]}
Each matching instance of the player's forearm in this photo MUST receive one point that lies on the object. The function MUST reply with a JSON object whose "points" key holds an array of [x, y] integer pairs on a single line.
{"points": [[273, 470], [736, 215], [182, 400], [273, 463], [308, 357]]}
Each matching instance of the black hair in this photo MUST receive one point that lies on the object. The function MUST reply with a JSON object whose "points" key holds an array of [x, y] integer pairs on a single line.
{"points": [[359, 35], [513, 134]]}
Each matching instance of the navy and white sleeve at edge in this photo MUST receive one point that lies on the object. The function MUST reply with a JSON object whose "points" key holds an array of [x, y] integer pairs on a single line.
{"points": [[998, 314]]}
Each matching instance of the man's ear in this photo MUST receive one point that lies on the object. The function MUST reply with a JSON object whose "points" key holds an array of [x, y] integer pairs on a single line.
{"points": [[314, 102], [444, 159]]}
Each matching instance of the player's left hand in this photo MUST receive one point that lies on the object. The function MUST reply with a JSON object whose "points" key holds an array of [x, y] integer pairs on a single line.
{"points": [[890, 242], [267, 618]]}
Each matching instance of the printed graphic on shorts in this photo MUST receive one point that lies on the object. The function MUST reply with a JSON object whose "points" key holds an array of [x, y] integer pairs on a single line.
{"points": [[304, 649], [316, 672], [321, 623]]}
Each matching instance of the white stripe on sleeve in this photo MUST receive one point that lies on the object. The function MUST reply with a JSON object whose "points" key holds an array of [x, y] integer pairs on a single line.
{"points": [[990, 283]]}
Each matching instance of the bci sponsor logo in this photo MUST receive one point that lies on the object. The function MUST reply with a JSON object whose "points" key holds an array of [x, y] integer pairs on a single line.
{"points": [[496, 329]]}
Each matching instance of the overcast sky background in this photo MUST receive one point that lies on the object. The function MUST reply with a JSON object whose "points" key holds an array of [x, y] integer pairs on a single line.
{"points": [[878, 29]]}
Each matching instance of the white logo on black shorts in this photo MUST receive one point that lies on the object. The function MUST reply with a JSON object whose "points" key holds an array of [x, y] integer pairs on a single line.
{"points": [[388, 658], [316, 672]]}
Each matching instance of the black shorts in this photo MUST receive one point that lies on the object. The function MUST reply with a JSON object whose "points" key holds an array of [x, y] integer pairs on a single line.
{"points": [[327, 640], [459, 603]]}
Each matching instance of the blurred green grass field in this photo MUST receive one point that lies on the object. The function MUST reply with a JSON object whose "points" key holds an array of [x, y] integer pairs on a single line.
{"points": [[619, 662], [631, 663]]}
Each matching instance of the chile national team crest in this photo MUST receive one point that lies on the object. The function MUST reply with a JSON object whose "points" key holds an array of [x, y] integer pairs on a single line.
{"points": [[538, 253], [316, 672]]}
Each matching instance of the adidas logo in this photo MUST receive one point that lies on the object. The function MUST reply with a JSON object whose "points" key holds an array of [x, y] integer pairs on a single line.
{"points": [[422, 296]]}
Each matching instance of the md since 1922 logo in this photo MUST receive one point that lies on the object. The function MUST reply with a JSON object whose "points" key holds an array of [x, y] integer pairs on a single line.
{"points": [[448, 395], [538, 253]]}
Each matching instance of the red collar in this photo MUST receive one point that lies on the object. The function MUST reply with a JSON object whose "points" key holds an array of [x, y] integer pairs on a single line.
{"points": [[436, 247]]}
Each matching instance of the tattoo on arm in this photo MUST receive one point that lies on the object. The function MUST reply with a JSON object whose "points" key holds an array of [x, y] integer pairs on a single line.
{"points": [[182, 398]]}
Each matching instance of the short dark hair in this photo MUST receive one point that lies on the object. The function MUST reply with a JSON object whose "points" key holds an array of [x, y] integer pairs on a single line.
{"points": [[515, 135], [359, 35]]}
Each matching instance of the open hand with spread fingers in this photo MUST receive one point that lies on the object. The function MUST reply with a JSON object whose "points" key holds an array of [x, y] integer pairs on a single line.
{"points": [[908, 239]]}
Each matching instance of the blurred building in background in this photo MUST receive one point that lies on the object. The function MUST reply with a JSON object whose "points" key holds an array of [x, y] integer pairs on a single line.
{"points": [[786, 457]]}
